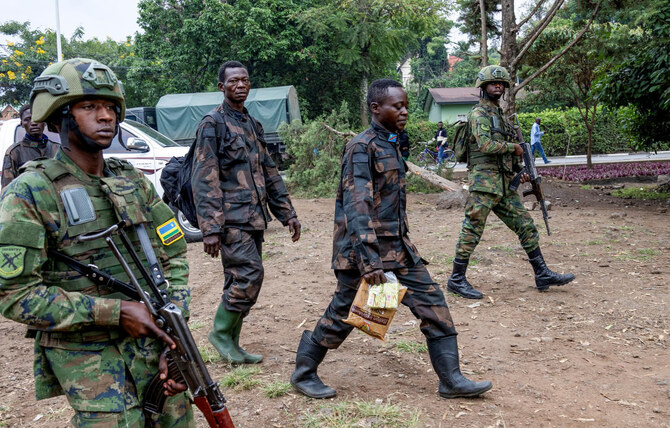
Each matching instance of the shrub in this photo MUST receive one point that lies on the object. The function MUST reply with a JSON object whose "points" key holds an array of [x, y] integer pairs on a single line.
{"points": [[607, 171]]}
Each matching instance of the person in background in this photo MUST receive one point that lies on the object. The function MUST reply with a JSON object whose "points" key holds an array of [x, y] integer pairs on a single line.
{"points": [[535, 137], [33, 146], [442, 144]]}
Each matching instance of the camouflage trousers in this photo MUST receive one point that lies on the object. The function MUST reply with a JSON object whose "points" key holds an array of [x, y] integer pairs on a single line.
{"points": [[423, 298], [104, 383], [508, 208], [241, 256]]}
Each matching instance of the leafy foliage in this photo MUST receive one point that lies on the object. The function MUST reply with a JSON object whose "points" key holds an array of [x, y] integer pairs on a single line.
{"points": [[346, 414], [642, 79], [607, 171]]}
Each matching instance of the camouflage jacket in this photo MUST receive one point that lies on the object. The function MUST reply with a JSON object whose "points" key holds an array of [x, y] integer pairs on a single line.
{"points": [[235, 180], [68, 309], [22, 152], [491, 163], [370, 220]]}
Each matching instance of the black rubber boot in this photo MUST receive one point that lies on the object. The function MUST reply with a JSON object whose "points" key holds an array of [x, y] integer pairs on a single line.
{"points": [[304, 378], [545, 278], [458, 284], [444, 357]]}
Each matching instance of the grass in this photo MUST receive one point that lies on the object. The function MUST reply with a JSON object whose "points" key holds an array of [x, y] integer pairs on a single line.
{"points": [[505, 248], [276, 389], [585, 187], [642, 254], [351, 414], [242, 377], [594, 242], [209, 354], [644, 193], [410, 347], [196, 325]]}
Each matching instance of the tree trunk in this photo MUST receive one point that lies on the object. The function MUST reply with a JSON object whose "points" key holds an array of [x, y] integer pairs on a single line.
{"points": [[363, 99], [509, 49], [483, 43], [589, 145], [433, 178]]}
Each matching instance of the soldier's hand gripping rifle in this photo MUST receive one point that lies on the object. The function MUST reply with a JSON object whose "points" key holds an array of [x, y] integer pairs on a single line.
{"points": [[529, 168], [185, 365]]}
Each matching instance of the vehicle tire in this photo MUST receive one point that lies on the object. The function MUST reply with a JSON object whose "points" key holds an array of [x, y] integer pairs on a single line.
{"points": [[191, 233], [449, 159]]}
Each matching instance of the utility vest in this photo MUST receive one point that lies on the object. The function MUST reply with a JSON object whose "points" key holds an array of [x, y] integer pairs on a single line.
{"points": [[114, 198], [501, 130]]}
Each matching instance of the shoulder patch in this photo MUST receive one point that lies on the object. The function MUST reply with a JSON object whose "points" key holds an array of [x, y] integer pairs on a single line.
{"points": [[169, 232], [11, 261]]}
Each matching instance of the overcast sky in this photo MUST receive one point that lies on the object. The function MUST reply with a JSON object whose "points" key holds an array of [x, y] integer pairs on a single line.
{"points": [[99, 18]]}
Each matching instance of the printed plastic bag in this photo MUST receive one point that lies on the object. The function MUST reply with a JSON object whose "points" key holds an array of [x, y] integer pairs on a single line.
{"points": [[384, 295], [373, 321]]}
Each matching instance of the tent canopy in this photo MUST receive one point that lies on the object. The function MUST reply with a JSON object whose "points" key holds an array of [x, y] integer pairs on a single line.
{"points": [[178, 115]]}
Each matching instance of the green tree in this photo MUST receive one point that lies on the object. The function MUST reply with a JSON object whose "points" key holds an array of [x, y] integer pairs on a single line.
{"points": [[641, 80]]}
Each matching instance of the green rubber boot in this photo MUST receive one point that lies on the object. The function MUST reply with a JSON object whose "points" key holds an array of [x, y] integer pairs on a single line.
{"points": [[221, 335], [248, 358]]}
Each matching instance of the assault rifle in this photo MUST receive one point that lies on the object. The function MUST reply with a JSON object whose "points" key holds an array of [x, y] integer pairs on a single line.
{"points": [[529, 168], [185, 365]]}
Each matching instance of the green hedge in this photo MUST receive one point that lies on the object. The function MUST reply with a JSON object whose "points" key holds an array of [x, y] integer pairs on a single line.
{"points": [[561, 126]]}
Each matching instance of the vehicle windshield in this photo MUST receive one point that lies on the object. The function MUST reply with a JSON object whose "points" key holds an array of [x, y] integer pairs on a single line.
{"points": [[160, 138]]}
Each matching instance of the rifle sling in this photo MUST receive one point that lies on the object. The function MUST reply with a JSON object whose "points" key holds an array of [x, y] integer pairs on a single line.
{"points": [[96, 275]]}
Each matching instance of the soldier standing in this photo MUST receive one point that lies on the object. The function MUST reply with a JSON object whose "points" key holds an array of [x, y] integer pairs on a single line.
{"points": [[493, 159], [91, 343], [34, 145], [370, 237], [234, 182]]}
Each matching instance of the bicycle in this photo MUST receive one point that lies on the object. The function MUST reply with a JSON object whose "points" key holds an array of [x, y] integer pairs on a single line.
{"points": [[429, 156]]}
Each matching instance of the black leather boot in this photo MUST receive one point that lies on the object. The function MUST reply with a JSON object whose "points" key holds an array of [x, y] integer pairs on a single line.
{"points": [[444, 357], [458, 284], [304, 378], [545, 278]]}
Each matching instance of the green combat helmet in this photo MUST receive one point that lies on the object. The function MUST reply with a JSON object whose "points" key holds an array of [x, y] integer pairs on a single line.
{"points": [[66, 82], [492, 73]]}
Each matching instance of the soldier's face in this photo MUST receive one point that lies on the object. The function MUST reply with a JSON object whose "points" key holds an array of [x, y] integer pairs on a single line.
{"points": [[495, 90], [34, 129], [391, 112], [96, 119], [236, 85]]}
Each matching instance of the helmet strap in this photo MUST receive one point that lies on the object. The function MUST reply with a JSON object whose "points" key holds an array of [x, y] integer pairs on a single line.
{"points": [[88, 144], [65, 128]]}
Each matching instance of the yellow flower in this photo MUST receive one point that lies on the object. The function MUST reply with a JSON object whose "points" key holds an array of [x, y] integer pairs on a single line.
{"points": [[40, 41], [29, 70], [4, 61], [32, 48], [132, 54], [127, 44], [40, 51], [2, 75], [123, 56], [23, 76], [18, 52], [11, 75], [10, 44], [18, 64]]}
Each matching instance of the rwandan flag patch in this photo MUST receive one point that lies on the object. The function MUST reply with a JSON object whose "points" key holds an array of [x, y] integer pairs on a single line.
{"points": [[393, 138], [169, 232]]}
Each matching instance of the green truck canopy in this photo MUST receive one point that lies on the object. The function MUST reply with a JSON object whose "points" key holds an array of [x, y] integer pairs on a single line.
{"points": [[178, 115]]}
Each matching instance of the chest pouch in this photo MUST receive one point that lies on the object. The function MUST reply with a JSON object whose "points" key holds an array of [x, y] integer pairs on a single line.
{"points": [[78, 205], [123, 195]]}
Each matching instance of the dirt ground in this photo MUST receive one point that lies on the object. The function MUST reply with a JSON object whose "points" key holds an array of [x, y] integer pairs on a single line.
{"points": [[593, 353]]}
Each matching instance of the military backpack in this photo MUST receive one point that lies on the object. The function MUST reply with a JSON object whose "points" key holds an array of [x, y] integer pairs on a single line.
{"points": [[461, 140]]}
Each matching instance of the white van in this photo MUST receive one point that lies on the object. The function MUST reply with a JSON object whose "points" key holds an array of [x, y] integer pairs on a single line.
{"points": [[154, 151]]}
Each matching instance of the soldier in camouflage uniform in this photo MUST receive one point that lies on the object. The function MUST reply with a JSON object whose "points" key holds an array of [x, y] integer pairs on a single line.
{"points": [[92, 344], [34, 145], [234, 182], [371, 236], [494, 157]]}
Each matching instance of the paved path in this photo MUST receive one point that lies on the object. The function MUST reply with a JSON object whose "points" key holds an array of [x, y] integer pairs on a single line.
{"points": [[581, 159]]}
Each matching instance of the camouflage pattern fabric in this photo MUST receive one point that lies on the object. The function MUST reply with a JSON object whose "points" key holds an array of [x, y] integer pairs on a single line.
{"points": [[508, 208], [241, 256], [81, 350], [23, 152], [236, 180], [370, 220], [491, 166], [423, 298]]}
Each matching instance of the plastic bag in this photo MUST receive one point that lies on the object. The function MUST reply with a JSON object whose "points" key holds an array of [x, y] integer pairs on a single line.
{"points": [[372, 321], [384, 295]]}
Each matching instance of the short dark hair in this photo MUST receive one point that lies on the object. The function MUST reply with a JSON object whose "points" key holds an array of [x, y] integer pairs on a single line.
{"points": [[379, 89], [226, 65], [23, 110]]}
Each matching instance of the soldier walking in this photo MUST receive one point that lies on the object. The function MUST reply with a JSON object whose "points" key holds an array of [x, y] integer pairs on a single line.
{"points": [[371, 236], [494, 157], [91, 343], [234, 182], [33, 146]]}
